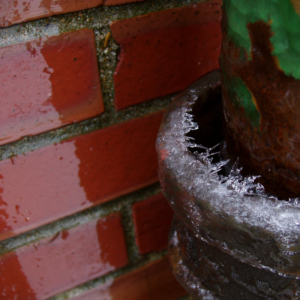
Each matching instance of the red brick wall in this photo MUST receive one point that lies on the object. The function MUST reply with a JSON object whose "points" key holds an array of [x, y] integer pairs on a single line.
{"points": [[84, 85]]}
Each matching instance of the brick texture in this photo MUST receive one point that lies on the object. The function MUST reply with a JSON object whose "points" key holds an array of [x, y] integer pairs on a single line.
{"points": [[17, 11], [154, 281], [48, 83], [54, 81], [152, 220], [163, 52], [117, 2], [61, 179], [61, 262]]}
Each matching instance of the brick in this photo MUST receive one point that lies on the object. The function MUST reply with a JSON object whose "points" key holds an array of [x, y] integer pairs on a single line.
{"points": [[154, 281], [71, 257], [17, 11], [117, 2], [163, 52], [61, 179], [152, 221], [48, 83]]}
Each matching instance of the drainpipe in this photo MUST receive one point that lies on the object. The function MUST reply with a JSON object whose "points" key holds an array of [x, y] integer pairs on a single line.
{"points": [[260, 64], [229, 162]]}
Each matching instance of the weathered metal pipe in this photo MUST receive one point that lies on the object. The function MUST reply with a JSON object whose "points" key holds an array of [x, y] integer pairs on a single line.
{"points": [[233, 238], [230, 240], [260, 64]]}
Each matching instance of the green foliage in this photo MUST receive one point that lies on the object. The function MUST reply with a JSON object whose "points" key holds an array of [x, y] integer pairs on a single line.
{"points": [[285, 25]]}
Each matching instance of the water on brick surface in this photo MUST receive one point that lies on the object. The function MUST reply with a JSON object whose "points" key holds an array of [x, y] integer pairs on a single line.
{"points": [[231, 212]]}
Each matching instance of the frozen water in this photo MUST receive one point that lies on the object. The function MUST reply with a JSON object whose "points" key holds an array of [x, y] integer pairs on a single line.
{"points": [[191, 283], [217, 202]]}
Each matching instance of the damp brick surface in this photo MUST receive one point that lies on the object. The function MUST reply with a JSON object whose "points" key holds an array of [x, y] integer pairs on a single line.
{"points": [[16, 11], [48, 83], [127, 162], [156, 46], [152, 219], [44, 268], [154, 281], [78, 172]]}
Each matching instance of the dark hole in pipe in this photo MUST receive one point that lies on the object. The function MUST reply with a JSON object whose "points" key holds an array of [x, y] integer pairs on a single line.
{"points": [[207, 112]]}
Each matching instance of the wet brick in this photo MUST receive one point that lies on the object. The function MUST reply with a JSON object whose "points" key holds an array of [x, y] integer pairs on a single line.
{"points": [[17, 11], [61, 179], [71, 257], [154, 281], [48, 83], [163, 52], [152, 220]]}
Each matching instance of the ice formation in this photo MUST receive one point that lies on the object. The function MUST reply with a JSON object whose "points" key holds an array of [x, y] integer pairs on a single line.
{"points": [[231, 212]]}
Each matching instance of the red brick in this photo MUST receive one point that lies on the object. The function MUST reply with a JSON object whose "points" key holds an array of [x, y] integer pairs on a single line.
{"points": [[48, 83], [17, 11], [152, 220], [154, 281], [72, 257], [163, 52], [117, 2], [61, 179]]}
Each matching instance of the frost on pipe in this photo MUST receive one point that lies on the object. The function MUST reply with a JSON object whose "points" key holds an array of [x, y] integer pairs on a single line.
{"points": [[212, 198], [208, 273]]}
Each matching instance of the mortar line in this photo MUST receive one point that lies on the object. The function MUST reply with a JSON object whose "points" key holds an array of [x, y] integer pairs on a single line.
{"points": [[80, 218], [186, 297], [129, 230], [28, 144], [78, 290], [97, 19]]}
